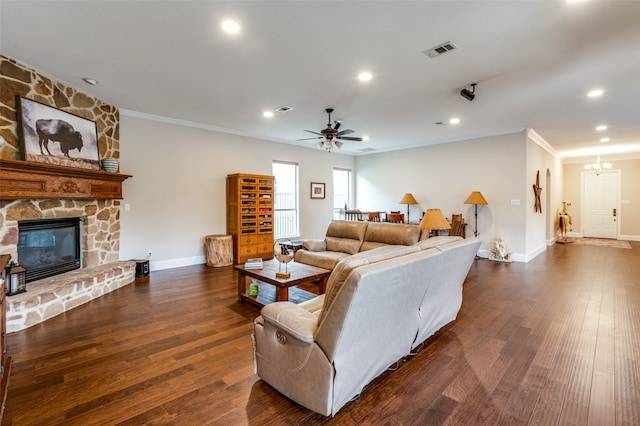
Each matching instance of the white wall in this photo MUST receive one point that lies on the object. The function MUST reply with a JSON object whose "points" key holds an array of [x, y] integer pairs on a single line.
{"points": [[541, 228], [442, 176], [177, 193]]}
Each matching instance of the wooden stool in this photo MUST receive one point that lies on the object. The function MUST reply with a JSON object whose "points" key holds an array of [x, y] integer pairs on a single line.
{"points": [[218, 250]]}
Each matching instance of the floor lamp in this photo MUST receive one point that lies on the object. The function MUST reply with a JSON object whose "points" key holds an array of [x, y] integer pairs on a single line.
{"points": [[476, 198], [408, 199]]}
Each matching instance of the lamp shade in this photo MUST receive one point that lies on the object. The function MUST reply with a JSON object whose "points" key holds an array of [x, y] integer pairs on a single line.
{"points": [[408, 198], [434, 219], [475, 198]]}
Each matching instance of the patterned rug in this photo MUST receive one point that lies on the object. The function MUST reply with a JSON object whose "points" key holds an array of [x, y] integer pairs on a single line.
{"points": [[598, 242]]}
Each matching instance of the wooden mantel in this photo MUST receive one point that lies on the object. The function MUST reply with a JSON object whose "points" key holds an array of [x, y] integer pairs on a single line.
{"points": [[32, 180]]}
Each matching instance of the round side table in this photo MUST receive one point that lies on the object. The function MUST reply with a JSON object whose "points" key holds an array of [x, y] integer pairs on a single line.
{"points": [[218, 250]]}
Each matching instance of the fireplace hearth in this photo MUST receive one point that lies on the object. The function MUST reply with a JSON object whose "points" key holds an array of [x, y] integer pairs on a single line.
{"points": [[48, 247]]}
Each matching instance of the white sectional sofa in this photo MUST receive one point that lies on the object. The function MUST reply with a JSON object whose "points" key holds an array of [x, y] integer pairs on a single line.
{"points": [[379, 305]]}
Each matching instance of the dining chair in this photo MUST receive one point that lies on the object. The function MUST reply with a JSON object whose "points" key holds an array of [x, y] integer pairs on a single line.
{"points": [[395, 217], [457, 226], [353, 215], [374, 216]]}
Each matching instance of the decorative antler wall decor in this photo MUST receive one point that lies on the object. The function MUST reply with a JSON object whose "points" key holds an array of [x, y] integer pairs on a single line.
{"points": [[537, 190]]}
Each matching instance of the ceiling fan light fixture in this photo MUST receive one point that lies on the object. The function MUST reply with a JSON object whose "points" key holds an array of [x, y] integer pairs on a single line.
{"points": [[331, 134]]}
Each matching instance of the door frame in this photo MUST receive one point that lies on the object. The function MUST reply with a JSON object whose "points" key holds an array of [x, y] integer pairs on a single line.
{"points": [[618, 174]]}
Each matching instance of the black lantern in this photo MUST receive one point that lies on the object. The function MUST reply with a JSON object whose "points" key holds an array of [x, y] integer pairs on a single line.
{"points": [[16, 279]]}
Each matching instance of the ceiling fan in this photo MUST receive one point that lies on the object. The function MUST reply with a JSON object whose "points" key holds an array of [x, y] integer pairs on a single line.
{"points": [[331, 133]]}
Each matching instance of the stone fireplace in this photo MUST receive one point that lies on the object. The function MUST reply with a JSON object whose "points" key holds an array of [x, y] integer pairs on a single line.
{"points": [[34, 191]]}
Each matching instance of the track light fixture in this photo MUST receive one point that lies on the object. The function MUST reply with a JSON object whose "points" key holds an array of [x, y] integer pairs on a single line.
{"points": [[469, 94]]}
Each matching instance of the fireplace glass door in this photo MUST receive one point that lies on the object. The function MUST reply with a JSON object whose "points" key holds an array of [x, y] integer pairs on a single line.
{"points": [[48, 247]]}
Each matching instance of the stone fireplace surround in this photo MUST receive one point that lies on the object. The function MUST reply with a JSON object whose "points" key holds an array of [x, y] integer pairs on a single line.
{"points": [[103, 271], [100, 244]]}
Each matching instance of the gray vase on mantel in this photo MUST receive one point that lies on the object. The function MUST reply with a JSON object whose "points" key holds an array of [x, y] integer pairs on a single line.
{"points": [[110, 165]]}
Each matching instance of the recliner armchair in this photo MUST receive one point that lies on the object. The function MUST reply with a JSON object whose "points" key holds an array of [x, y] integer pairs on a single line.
{"points": [[379, 305]]}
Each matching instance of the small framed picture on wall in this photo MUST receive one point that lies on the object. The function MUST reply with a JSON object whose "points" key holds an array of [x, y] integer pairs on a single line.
{"points": [[317, 190]]}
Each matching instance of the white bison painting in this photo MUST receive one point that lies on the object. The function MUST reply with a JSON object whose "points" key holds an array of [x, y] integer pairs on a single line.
{"points": [[49, 135]]}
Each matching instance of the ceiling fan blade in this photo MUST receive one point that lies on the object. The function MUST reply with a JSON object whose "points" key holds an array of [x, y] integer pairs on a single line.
{"points": [[345, 132], [308, 139], [315, 133], [336, 125], [349, 138]]}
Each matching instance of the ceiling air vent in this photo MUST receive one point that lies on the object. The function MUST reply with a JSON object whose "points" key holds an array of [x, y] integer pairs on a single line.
{"points": [[440, 49], [366, 149], [284, 108]]}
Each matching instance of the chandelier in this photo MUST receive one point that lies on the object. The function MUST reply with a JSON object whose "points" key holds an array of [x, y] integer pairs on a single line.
{"points": [[329, 144], [597, 166]]}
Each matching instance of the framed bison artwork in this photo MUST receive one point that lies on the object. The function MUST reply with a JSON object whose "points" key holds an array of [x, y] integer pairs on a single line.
{"points": [[50, 135]]}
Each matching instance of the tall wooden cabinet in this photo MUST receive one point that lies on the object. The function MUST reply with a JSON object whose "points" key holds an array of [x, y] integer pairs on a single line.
{"points": [[250, 216]]}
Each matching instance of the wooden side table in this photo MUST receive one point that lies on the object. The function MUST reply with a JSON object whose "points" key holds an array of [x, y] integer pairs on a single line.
{"points": [[219, 250]]}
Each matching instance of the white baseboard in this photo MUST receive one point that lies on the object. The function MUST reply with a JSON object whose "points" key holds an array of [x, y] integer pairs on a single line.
{"points": [[176, 263], [620, 237], [516, 257]]}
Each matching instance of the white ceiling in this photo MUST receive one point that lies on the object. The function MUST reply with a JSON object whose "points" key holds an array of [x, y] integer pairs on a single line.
{"points": [[534, 62]]}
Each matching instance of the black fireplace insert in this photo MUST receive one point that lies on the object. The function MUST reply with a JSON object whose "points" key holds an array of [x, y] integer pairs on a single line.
{"points": [[48, 247]]}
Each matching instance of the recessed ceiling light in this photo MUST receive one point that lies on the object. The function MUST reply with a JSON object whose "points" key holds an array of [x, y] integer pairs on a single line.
{"points": [[364, 76], [595, 93], [268, 114], [365, 138], [601, 127], [90, 81], [454, 121], [603, 140], [231, 26]]}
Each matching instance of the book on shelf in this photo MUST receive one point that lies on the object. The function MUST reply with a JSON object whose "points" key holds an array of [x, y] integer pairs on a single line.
{"points": [[253, 263]]}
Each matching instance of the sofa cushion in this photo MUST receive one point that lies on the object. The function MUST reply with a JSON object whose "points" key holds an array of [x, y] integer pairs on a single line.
{"points": [[379, 234], [321, 259], [345, 245], [345, 266], [314, 245], [347, 229]]}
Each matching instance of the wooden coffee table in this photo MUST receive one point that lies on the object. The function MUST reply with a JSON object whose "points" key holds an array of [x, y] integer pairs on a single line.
{"points": [[300, 274]]}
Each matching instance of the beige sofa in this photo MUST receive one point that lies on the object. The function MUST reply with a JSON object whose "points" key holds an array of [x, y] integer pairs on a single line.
{"points": [[379, 305], [346, 237]]}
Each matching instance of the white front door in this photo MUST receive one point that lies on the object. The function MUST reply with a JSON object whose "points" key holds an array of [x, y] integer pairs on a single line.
{"points": [[600, 201]]}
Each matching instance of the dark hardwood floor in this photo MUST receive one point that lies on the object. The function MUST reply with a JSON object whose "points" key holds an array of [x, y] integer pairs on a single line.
{"points": [[552, 342]]}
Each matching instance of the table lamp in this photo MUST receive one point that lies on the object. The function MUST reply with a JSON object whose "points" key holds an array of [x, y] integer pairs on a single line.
{"points": [[408, 199], [476, 198], [434, 220]]}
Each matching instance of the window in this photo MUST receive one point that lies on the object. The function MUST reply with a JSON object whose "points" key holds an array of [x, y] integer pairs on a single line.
{"points": [[285, 203], [341, 190]]}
